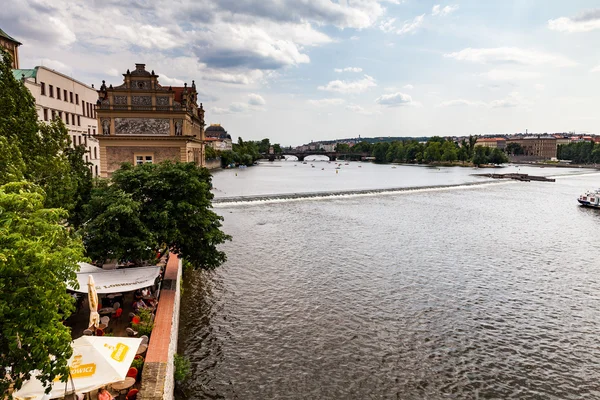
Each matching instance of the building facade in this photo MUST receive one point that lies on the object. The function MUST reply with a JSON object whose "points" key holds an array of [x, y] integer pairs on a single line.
{"points": [[143, 122], [57, 95], [496, 143], [11, 46], [538, 147], [218, 138]]}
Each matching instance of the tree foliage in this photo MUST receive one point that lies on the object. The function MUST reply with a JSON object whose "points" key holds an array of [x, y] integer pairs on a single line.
{"points": [[149, 205], [38, 254], [580, 152]]}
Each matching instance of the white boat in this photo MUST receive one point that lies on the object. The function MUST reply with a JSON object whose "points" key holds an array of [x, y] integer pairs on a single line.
{"points": [[590, 198]]}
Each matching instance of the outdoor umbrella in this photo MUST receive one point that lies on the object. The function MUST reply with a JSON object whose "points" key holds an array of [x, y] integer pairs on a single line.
{"points": [[96, 362], [93, 300]]}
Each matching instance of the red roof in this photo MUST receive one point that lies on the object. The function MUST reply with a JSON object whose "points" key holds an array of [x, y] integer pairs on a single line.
{"points": [[490, 139]]}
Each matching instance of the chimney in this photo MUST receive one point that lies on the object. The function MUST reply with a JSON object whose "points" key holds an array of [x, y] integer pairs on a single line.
{"points": [[140, 67]]}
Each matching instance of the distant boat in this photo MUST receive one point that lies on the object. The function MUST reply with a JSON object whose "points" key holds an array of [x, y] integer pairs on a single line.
{"points": [[591, 198]]}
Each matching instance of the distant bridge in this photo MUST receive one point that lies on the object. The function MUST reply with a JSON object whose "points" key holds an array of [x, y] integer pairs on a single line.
{"points": [[332, 155]]}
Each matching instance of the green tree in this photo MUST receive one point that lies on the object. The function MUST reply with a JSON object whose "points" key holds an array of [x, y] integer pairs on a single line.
{"points": [[277, 148], [210, 153], [114, 229], [38, 256], [480, 155], [514, 149], [11, 162], [497, 156], [380, 151], [41, 145], [175, 202], [342, 148], [449, 152], [81, 180]]}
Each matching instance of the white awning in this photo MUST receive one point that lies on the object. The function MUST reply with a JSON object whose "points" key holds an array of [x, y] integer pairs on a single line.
{"points": [[115, 280]]}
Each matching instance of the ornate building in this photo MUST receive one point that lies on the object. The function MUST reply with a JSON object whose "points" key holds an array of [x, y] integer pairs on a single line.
{"points": [[218, 138], [143, 122], [11, 46]]}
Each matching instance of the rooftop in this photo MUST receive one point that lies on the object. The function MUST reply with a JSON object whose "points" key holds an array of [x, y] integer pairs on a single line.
{"points": [[27, 73], [8, 37]]}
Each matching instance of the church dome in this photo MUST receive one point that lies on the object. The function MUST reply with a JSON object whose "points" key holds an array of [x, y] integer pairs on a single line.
{"points": [[215, 128]]}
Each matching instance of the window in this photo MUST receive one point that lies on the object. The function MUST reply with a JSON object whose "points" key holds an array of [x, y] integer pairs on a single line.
{"points": [[85, 140], [43, 87], [96, 170], [94, 130], [71, 96], [88, 131], [86, 159], [83, 107], [58, 93], [95, 153], [78, 120], [79, 139], [65, 95], [76, 99], [45, 114], [59, 114], [74, 141], [66, 118], [53, 114], [51, 90], [72, 119], [143, 159]]}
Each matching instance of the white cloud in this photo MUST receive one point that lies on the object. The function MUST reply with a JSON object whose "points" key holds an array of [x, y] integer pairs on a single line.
{"points": [[462, 102], [348, 69], [438, 10], [511, 74], [256, 100], [510, 55], [409, 87], [584, 22], [514, 99], [358, 109], [354, 37], [166, 81], [388, 25], [112, 72], [410, 27], [396, 99], [326, 102], [539, 86], [358, 86], [66, 35], [595, 69]]}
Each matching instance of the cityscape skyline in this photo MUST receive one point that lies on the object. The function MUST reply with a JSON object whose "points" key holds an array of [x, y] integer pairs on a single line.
{"points": [[296, 72]]}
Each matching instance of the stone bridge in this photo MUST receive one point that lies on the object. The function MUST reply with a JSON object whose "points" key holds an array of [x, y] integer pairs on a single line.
{"points": [[332, 155]]}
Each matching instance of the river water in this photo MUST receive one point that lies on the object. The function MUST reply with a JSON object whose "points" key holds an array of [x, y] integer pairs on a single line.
{"points": [[466, 292]]}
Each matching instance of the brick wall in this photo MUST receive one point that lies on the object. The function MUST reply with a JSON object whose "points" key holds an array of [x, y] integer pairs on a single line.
{"points": [[213, 163], [157, 377], [115, 156]]}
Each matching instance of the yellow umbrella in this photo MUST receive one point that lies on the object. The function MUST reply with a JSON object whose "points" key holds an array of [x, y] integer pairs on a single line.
{"points": [[93, 301]]}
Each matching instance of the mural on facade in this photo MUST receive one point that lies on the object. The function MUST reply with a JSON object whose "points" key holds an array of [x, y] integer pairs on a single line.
{"points": [[121, 100], [141, 100], [142, 126], [162, 100]]}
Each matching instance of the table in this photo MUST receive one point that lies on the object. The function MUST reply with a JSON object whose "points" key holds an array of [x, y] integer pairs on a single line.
{"points": [[123, 385], [114, 295], [142, 349], [102, 326], [106, 311]]}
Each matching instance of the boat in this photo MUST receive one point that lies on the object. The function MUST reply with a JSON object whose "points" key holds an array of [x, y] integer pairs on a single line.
{"points": [[590, 198]]}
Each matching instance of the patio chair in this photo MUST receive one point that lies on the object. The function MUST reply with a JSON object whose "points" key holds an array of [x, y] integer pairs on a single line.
{"points": [[105, 320], [132, 373], [88, 332], [131, 332], [116, 305], [132, 395], [131, 315], [144, 339]]}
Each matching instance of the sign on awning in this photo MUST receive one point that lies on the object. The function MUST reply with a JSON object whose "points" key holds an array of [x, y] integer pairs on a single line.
{"points": [[115, 280]]}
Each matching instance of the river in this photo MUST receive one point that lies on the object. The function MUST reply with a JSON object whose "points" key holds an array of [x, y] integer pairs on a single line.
{"points": [[483, 291]]}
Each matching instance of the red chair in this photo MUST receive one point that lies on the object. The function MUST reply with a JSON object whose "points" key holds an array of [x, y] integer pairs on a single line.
{"points": [[135, 320], [118, 313], [132, 395], [132, 373], [99, 332], [139, 357]]}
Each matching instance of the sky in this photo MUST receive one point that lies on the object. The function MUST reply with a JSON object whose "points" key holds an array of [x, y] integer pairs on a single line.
{"points": [[297, 71]]}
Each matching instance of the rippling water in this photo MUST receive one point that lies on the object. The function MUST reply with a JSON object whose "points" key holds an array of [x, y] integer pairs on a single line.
{"points": [[470, 292]]}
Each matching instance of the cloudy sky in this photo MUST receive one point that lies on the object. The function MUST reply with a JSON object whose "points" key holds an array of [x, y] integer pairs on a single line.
{"points": [[302, 70]]}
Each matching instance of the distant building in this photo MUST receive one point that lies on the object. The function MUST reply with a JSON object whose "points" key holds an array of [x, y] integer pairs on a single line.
{"points": [[11, 46], [72, 101], [142, 121], [218, 138], [538, 147], [562, 139], [328, 147], [496, 143]]}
